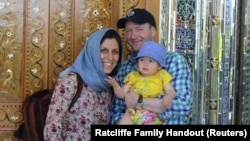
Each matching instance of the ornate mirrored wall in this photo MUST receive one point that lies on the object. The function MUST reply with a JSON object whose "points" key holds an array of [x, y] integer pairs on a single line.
{"points": [[244, 66], [207, 33], [40, 38]]}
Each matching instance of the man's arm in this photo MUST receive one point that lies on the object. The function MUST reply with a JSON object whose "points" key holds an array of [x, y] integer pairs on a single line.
{"points": [[170, 94], [152, 104], [182, 104]]}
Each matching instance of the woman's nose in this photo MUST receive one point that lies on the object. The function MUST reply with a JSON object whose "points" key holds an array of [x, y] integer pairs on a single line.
{"points": [[109, 55]]}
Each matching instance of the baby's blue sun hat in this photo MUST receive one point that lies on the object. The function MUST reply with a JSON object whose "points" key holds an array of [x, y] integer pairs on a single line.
{"points": [[153, 50]]}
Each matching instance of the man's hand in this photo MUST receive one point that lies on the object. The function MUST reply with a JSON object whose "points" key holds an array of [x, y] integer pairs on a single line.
{"points": [[167, 101], [131, 99], [152, 104]]}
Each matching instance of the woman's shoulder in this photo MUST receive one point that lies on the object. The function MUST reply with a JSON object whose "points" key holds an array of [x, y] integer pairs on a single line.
{"points": [[69, 76]]}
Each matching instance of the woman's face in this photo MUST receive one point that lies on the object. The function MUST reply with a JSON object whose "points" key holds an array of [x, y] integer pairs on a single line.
{"points": [[109, 54]]}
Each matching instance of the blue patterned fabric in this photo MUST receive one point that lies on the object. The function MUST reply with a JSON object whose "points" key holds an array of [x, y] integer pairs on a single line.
{"points": [[176, 65]]}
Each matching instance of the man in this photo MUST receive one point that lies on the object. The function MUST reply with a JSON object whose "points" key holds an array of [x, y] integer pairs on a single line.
{"points": [[140, 26]]}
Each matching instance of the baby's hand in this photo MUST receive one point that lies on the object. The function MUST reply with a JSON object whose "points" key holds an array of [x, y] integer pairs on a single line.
{"points": [[112, 81], [167, 101]]}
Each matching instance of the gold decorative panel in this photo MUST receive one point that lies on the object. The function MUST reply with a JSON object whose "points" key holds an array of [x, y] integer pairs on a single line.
{"points": [[11, 64], [39, 39], [11, 48], [36, 46]]}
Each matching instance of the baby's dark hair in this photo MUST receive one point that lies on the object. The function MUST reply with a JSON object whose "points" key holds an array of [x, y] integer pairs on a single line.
{"points": [[110, 34]]}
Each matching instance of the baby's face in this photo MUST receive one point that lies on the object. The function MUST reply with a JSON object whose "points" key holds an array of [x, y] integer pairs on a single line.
{"points": [[147, 66]]}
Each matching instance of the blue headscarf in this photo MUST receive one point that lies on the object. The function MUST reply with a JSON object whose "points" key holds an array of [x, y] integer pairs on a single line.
{"points": [[88, 63]]}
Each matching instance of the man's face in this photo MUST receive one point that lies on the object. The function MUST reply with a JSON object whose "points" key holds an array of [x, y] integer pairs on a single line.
{"points": [[136, 34]]}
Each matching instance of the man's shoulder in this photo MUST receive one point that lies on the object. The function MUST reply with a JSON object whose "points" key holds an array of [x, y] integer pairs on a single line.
{"points": [[173, 54], [128, 62], [127, 66], [174, 58]]}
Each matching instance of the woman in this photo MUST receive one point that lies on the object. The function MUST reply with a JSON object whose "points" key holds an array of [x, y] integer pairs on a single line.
{"points": [[101, 57]]}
